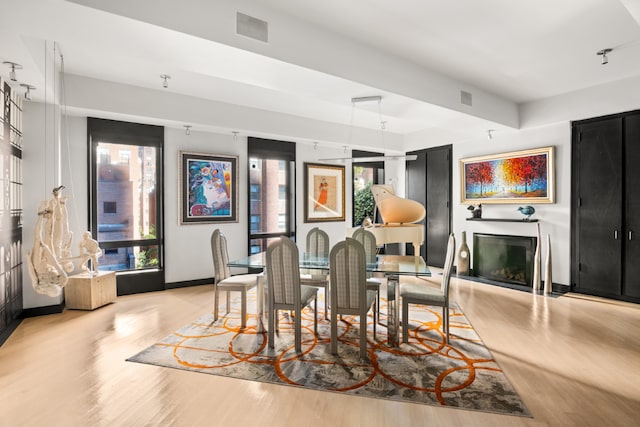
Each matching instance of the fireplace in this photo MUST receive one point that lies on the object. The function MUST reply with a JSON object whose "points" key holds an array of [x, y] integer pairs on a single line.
{"points": [[504, 258]]}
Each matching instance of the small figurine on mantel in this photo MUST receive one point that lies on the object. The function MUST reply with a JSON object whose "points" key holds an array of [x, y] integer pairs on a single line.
{"points": [[527, 211], [476, 212]]}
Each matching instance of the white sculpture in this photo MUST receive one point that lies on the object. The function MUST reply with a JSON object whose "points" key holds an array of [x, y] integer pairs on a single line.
{"points": [[536, 263], [47, 275], [89, 250], [50, 259], [548, 284]]}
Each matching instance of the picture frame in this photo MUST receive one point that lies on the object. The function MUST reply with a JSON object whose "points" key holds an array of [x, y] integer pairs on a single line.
{"points": [[526, 176], [323, 192], [208, 188]]}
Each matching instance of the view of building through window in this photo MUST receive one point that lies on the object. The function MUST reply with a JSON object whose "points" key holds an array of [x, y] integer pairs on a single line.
{"points": [[268, 181], [126, 195], [363, 178]]}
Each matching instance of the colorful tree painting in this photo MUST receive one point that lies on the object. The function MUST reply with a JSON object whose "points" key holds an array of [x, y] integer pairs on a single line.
{"points": [[509, 177]]}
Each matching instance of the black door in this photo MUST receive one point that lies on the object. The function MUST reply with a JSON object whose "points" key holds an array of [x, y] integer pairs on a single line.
{"points": [[598, 158], [429, 182], [631, 237], [438, 219]]}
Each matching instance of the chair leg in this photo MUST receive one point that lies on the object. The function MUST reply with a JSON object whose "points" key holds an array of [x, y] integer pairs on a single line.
{"points": [[375, 321], [405, 321], [216, 297], [272, 322], [363, 336], [326, 302], [297, 331], [334, 333], [228, 302], [445, 315], [243, 309], [315, 315]]}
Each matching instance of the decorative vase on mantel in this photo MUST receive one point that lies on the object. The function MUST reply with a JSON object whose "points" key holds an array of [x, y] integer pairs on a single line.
{"points": [[463, 256]]}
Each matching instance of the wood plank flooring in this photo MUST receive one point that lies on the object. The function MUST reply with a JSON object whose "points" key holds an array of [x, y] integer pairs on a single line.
{"points": [[574, 360]]}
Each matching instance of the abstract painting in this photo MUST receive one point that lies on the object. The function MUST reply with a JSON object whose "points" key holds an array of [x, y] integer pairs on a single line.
{"points": [[514, 177], [208, 188]]}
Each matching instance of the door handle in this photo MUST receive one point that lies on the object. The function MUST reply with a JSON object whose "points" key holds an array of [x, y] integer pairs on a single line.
{"points": [[615, 234], [630, 235]]}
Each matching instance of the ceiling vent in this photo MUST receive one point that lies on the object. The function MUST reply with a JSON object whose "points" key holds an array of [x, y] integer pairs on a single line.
{"points": [[251, 27], [466, 98]]}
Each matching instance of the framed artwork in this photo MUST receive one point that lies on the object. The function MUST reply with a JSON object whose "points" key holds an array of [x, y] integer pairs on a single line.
{"points": [[208, 188], [323, 192], [517, 177]]}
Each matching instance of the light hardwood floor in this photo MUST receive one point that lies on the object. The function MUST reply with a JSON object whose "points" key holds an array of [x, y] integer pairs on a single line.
{"points": [[574, 360]]}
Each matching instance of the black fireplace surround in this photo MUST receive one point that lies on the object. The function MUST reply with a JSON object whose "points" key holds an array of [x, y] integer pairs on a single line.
{"points": [[504, 258]]}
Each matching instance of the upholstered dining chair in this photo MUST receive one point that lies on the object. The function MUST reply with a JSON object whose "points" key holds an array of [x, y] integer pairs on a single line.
{"points": [[317, 245], [419, 291], [368, 241], [284, 289], [349, 294], [224, 281]]}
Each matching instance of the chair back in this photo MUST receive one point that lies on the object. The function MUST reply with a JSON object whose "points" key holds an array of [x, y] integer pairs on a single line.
{"points": [[448, 264], [348, 275], [317, 242], [368, 240], [283, 272], [220, 255]]}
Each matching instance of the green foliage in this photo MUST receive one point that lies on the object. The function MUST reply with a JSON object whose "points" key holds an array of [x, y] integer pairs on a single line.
{"points": [[363, 205]]}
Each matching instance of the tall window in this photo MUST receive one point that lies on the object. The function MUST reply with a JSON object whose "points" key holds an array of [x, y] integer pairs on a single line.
{"points": [[364, 176], [126, 201], [271, 189]]}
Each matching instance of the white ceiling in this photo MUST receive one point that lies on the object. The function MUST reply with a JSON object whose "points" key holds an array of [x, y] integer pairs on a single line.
{"points": [[514, 51]]}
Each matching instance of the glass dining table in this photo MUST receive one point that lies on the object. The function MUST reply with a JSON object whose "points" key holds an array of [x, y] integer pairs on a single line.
{"points": [[391, 266]]}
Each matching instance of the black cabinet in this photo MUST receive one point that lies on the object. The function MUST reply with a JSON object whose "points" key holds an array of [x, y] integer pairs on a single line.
{"points": [[605, 206], [429, 182]]}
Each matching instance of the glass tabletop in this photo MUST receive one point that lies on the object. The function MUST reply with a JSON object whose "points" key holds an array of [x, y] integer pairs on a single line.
{"points": [[388, 264]]}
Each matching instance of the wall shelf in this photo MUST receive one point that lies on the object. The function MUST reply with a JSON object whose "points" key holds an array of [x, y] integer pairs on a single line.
{"points": [[502, 220]]}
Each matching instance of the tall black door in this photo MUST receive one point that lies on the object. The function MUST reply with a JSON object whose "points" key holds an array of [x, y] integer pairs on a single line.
{"points": [[631, 236], [429, 182], [598, 158]]}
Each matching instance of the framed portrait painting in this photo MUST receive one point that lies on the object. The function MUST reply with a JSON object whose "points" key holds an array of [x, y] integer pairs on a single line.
{"points": [[516, 177], [323, 192], [208, 188]]}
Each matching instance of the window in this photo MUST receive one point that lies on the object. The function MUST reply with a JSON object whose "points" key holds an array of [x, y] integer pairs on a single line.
{"points": [[271, 184], [126, 201], [110, 207], [364, 176]]}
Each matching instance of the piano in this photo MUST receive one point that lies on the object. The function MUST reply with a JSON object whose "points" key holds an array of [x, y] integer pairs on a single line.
{"points": [[399, 216]]}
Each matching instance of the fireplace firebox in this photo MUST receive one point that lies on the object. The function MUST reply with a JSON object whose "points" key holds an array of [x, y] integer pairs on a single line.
{"points": [[504, 258]]}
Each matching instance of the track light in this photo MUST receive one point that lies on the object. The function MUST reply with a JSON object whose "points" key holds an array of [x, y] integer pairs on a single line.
{"points": [[14, 66], [27, 94], [187, 130], [165, 78], [603, 53], [490, 133]]}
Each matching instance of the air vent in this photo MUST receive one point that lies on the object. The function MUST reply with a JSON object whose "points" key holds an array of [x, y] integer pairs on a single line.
{"points": [[254, 28], [466, 98]]}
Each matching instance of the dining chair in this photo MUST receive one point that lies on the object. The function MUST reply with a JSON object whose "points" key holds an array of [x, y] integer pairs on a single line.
{"points": [[368, 241], [224, 281], [285, 291], [419, 292], [349, 294], [317, 245]]}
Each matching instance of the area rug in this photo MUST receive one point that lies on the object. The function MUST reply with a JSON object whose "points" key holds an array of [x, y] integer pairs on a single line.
{"points": [[462, 374]]}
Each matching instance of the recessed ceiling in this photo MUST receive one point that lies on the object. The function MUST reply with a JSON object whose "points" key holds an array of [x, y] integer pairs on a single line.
{"points": [[517, 51]]}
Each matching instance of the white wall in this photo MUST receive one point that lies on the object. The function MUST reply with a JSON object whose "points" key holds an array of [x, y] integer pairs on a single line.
{"points": [[554, 219]]}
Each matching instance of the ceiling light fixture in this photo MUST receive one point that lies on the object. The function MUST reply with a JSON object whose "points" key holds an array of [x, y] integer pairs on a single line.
{"points": [[27, 93], [603, 53], [187, 129], [490, 134], [14, 66], [383, 126], [165, 78]]}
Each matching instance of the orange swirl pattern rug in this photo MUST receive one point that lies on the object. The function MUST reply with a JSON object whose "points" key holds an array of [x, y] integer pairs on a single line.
{"points": [[462, 374]]}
